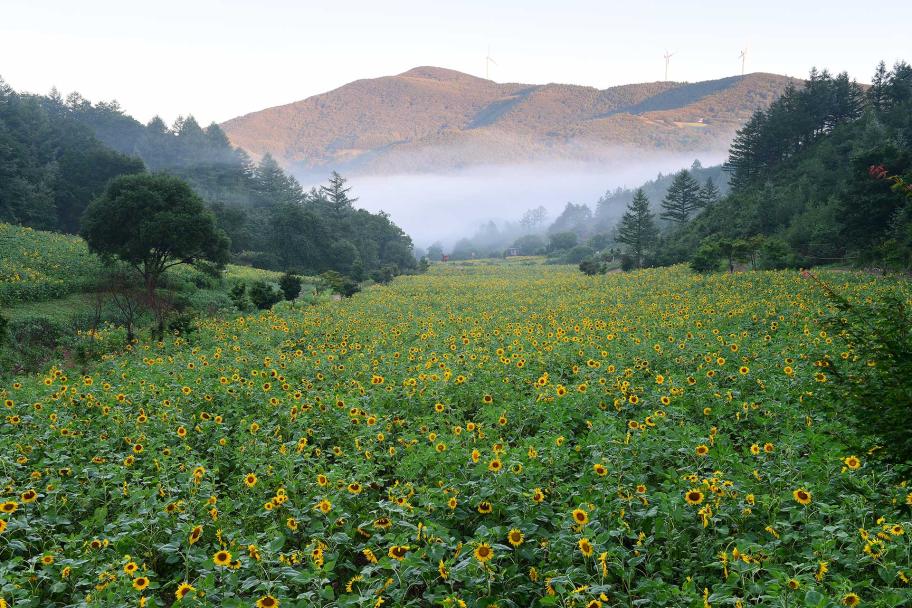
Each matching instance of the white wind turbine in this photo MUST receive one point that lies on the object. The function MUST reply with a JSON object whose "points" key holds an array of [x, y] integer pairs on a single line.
{"points": [[488, 61], [668, 57], [743, 57]]}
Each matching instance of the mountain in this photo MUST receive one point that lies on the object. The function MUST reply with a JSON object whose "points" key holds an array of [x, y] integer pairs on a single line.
{"points": [[430, 118]]}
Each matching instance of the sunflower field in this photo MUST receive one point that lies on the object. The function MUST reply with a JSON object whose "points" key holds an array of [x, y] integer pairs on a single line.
{"points": [[481, 435]]}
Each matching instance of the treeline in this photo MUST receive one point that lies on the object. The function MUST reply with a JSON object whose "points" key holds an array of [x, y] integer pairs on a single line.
{"points": [[582, 230], [56, 155], [802, 193]]}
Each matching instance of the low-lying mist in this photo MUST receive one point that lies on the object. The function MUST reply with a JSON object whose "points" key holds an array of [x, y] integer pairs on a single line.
{"points": [[447, 206]]}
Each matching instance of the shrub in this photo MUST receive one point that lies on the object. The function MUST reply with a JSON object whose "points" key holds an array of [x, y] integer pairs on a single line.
{"points": [[238, 295], [264, 294], [591, 267], [290, 286], [874, 384], [706, 258], [578, 254], [775, 254]]}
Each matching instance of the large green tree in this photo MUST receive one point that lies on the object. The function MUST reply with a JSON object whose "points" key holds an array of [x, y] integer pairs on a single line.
{"points": [[153, 222], [637, 228], [682, 199]]}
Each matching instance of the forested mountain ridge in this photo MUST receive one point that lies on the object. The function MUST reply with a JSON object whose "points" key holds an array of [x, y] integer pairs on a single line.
{"points": [[56, 156], [802, 191], [432, 118]]}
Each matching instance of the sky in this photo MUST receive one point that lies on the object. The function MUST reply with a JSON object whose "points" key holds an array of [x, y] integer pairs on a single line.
{"points": [[217, 59]]}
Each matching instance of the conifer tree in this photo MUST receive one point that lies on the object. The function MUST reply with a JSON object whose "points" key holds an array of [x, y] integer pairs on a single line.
{"points": [[709, 193], [682, 198], [637, 229]]}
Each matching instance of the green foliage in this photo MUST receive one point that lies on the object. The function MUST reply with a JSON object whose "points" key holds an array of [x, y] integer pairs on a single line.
{"points": [[37, 265], [265, 294], [153, 222], [562, 241], [637, 228], [800, 174], [682, 199], [874, 382], [156, 440], [591, 267], [50, 166], [340, 284], [706, 257], [290, 285], [238, 295]]}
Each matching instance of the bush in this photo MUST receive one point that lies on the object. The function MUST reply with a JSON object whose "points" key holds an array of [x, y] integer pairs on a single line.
{"points": [[591, 267], [290, 286], [874, 385], [238, 295], [578, 254], [775, 254], [340, 283], [706, 258], [264, 294], [627, 263]]}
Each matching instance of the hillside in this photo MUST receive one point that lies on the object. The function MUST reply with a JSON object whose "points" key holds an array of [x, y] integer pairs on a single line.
{"points": [[432, 118]]}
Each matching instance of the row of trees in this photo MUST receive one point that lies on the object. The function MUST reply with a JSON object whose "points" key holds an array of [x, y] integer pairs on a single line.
{"points": [[801, 193], [56, 155]]}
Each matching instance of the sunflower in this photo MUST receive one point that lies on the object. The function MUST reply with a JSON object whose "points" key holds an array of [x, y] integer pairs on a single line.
{"points": [[267, 601], [130, 568], [580, 517], [585, 547], [354, 487], [793, 584], [183, 589], [594, 604], [702, 450], [140, 583], [495, 465], [851, 599], [250, 480], [515, 537], [9, 507], [694, 497], [484, 552], [852, 462], [600, 469], [28, 496], [47, 560], [3, 525], [538, 495], [324, 506], [398, 552], [802, 496], [383, 523], [485, 507], [195, 534], [222, 558]]}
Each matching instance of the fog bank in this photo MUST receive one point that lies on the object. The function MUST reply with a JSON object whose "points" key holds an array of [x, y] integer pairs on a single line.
{"points": [[447, 206]]}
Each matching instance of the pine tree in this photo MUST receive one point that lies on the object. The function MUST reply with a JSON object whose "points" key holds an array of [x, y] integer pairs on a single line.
{"points": [[274, 187], [682, 198], [336, 195], [637, 229], [709, 193], [877, 93], [742, 163]]}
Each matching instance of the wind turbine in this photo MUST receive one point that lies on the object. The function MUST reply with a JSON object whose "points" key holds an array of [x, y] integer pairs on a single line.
{"points": [[743, 57], [488, 61], [668, 57]]}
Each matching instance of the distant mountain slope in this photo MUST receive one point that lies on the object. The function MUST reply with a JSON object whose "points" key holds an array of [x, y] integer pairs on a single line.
{"points": [[431, 118]]}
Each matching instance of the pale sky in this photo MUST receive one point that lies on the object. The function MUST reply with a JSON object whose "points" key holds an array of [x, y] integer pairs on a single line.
{"points": [[217, 59]]}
